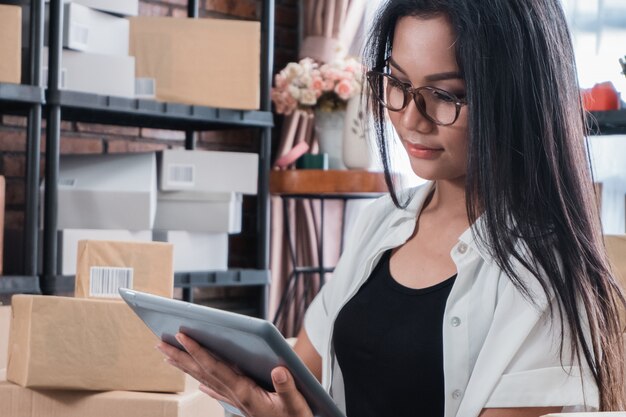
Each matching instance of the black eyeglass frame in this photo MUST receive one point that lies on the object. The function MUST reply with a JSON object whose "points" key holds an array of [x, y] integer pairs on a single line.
{"points": [[408, 89]]}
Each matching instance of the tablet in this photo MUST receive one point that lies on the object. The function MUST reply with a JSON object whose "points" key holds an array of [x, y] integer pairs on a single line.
{"points": [[255, 346]]}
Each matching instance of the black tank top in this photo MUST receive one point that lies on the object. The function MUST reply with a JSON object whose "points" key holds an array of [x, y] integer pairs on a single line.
{"points": [[388, 342]]}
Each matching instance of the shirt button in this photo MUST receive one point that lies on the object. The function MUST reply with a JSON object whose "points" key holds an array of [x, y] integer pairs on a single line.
{"points": [[462, 248], [455, 322], [457, 394]]}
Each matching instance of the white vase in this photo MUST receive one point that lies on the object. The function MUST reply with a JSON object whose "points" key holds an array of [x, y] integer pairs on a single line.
{"points": [[356, 148], [329, 131]]}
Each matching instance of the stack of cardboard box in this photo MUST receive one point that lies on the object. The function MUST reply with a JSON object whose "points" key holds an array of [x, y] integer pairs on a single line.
{"points": [[193, 200], [96, 40], [91, 355], [200, 203]]}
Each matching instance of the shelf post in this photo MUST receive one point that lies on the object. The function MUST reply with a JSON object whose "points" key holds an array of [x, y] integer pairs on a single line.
{"points": [[53, 132], [263, 218], [190, 135], [33, 144]]}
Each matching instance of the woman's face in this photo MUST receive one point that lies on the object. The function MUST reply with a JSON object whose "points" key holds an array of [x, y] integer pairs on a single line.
{"points": [[423, 54]]}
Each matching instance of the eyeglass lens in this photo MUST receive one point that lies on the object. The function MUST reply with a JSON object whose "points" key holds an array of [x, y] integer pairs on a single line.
{"points": [[435, 104]]}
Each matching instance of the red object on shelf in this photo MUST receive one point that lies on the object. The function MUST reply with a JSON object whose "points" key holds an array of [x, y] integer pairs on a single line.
{"points": [[601, 97]]}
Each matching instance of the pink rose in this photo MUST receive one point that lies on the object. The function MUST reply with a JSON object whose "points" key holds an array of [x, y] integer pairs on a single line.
{"points": [[344, 89], [329, 85], [317, 85], [280, 81]]}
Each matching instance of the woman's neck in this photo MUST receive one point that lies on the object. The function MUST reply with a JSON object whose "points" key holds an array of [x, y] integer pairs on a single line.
{"points": [[447, 198]]}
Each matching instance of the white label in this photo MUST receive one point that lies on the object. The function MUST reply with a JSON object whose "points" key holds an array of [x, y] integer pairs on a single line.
{"points": [[67, 182], [145, 87], [106, 281], [79, 36], [181, 175]]}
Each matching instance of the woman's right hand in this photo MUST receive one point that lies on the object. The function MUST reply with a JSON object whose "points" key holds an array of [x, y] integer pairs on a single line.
{"points": [[224, 383]]}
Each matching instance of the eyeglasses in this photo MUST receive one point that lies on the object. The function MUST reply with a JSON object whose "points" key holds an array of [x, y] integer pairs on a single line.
{"points": [[439, 106]]}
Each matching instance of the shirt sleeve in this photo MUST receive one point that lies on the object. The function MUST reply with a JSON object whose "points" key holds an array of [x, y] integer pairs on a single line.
{"points": [[538, 375]]}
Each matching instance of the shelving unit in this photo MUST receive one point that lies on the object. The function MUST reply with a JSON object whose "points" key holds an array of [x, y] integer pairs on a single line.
{"points": [[32, 100], [609, 122]]}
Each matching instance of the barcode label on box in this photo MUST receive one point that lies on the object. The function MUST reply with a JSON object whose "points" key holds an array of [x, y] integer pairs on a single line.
{"points": [[181, 175], [67, 182], [106, 281], [79, 36]]}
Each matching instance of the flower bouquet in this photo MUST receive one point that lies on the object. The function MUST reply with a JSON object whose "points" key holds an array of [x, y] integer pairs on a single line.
{"points": [[307, 85]]}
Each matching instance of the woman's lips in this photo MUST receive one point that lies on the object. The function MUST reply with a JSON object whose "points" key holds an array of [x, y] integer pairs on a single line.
{"points": [[422, 152]]}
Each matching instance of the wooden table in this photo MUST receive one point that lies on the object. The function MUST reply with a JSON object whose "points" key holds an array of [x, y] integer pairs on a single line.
{"points": [[316, 181]]}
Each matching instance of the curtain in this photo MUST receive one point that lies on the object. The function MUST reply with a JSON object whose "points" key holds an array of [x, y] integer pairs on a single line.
{"points": [[329, 30]]}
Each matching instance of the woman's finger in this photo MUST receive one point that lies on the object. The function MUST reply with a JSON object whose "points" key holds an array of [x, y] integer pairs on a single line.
{"points": [[285, 386], [214, 367], [184, 362]]}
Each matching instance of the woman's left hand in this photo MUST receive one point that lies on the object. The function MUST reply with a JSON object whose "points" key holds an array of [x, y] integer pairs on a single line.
{"points": [[224, 383]]}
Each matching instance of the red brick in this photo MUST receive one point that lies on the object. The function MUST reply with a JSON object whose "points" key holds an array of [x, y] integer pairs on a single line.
{"points": [[76, 145], [67, 126], [176, 12], [149, 9], [13, 140], [71, 145], [124, 146], [246, 9], [14, 121], [108, 129], [230, 139], [177, 2], [14, 192], [13, 165], [162, 134], [14, 220]]}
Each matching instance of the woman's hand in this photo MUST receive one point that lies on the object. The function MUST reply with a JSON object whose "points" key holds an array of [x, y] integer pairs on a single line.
{"points": [[224, 383]]}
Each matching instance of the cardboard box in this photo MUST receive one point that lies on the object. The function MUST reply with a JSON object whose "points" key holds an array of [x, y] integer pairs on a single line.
{"points": [[107, 191], [199, 212], [10, 44], [104, 266], [118, 7], [196, 251], [208, 62], [85, 344], [110, 75], [5, 323], [89, 30], [208, 171], [16, 401], [69, 238]]}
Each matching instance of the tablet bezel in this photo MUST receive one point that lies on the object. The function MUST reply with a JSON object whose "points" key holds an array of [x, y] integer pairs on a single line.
{"points": [[155, 311]]}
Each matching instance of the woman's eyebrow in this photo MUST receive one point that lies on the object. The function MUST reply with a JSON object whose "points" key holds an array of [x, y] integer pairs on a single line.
{"points": [[450, 75]]}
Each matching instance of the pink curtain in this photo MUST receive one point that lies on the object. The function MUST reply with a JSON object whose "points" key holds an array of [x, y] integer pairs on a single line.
{"points": [[329, 29]]}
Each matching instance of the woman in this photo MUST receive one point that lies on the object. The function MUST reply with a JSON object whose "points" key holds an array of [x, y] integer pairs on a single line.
{"points": [[486, 292]]}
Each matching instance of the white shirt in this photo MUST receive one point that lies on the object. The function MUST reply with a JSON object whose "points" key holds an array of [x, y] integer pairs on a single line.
{"points": [[499, 349]]}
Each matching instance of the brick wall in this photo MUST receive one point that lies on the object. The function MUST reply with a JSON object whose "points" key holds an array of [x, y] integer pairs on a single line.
{"points": [[82, 138]]}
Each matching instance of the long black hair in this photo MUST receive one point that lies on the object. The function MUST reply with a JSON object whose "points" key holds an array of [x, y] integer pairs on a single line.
{"points": [[528, 172]]}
